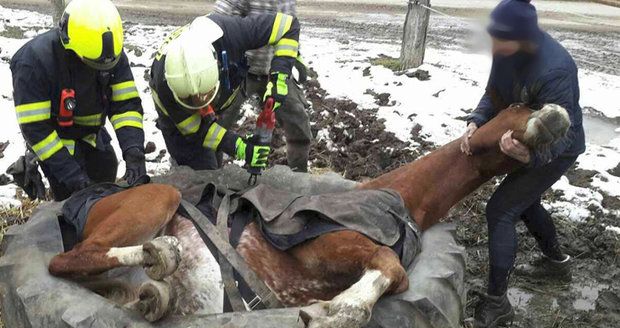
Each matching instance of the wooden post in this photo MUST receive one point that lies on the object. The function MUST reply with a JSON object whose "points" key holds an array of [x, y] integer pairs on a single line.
{"points": [[414, 34], [58, 7]]}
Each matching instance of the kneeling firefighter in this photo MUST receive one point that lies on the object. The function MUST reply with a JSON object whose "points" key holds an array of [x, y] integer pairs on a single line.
{"points": [[198, 73], [66, 82]]}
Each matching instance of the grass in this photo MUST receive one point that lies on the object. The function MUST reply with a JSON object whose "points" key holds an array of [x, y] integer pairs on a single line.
{"points": [[387, 62], [10, 216], [13, 32]]}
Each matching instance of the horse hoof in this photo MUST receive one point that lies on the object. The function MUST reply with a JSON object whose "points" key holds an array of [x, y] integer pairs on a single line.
{"points": [[335, 314], [546, 126], [162, 256], [155, 300], [316, 310]]}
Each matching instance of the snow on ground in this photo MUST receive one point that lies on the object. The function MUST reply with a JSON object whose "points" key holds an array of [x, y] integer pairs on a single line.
{"points": [[457, 81]]}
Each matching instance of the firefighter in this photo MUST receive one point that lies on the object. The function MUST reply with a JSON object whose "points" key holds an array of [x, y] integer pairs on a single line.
{"points": [[198, 72], [293, 117], [66, 82]]}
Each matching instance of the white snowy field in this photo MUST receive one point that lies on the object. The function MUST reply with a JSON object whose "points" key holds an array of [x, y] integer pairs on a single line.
{"points": [[456, 84]]}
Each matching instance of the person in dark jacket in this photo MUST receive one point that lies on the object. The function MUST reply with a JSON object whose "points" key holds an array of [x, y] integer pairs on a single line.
{"points": [[529, 67], [198, 73], [65, 83], [293, 117]]}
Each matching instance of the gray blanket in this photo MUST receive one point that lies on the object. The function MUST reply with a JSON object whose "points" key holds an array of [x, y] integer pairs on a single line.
{"points": [[288, 219]]}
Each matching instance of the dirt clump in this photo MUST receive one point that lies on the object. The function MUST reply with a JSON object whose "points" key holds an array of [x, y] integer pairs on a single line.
{"points": [[580, 178]]}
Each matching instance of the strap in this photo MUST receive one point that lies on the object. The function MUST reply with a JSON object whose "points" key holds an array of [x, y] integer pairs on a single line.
{"points": [[230, 286], [63, 61], [231, 256]]}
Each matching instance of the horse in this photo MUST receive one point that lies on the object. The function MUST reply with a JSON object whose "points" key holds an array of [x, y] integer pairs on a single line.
{"points": [[337, 277]]}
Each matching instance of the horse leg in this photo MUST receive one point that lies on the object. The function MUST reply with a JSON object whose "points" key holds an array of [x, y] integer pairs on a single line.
{"points": [[197, 282], [114, 223], [194, 288], [355, 255]]}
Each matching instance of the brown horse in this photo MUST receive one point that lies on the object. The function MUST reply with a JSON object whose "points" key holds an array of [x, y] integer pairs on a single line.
{"points": [[342, 274]]}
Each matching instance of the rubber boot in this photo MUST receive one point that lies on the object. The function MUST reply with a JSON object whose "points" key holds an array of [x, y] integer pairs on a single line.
{"points": [[552, 264], [492, 311], [546, 267]]}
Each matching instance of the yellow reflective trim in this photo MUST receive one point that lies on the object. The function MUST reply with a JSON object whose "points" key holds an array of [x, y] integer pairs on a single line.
{"points": [[230, 99], [287, 25], [124, 91], [214, 136], [280, 27], [157, 102], [131, 118], [34, 112], [33, 106], [91, 139], [190, 125], [287, 48], [70, 145], [123, 85], [90, 120], [285, 53], [48, 146], [276, 27]]}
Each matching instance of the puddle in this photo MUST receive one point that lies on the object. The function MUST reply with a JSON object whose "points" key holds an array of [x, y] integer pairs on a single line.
{"points": [[599, 131], [585, 296]]}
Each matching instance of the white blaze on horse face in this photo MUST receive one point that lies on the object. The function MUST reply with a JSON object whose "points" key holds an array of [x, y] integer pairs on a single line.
{"points": [[128, 256]]}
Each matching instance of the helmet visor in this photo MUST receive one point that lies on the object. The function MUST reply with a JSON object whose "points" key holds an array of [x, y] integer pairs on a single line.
{"points": [[199, 101]]}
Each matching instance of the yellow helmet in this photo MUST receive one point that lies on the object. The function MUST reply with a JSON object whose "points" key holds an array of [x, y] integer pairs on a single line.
{"points": [[94, 31]]}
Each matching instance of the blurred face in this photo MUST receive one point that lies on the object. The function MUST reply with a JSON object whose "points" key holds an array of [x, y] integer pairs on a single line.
{"points": [[505, 47]]}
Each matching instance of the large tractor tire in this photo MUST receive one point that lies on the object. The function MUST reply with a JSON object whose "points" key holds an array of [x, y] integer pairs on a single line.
{"points": [[30, 297]]}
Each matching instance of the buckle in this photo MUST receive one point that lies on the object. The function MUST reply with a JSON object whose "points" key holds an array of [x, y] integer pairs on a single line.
{"points": [[254, 302]]}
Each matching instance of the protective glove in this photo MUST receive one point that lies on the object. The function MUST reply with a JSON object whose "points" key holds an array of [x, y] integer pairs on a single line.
{"points": [[78, 182], [302, 69], [135, 165], [277, 88], [255, 156], [25, 172]]}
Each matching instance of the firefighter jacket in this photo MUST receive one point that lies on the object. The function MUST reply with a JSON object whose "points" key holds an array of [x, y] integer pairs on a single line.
{"points": [[240, 34], [41, 69]]}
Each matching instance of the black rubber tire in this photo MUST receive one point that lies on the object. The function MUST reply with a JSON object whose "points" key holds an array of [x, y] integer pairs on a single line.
{"points": [[30, 297]]}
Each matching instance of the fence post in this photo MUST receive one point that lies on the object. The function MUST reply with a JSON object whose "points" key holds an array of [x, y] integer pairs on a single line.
{"points": [[414, 34], [58, 9]]}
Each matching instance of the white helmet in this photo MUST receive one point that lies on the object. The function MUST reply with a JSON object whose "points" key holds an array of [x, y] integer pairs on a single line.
{"points": [[191, 64]]}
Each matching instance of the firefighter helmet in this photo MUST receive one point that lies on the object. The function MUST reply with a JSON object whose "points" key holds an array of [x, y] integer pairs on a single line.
{"points": [[191, 69], [94, 31]]}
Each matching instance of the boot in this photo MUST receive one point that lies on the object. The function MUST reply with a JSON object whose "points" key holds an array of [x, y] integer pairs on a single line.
{"points": [[492, 311], [546, 267]]}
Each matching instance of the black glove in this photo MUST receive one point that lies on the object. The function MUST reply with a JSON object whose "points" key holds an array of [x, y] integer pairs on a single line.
{"points": [[25, 172], [78, 183], [135, 165], [302, 69]]}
